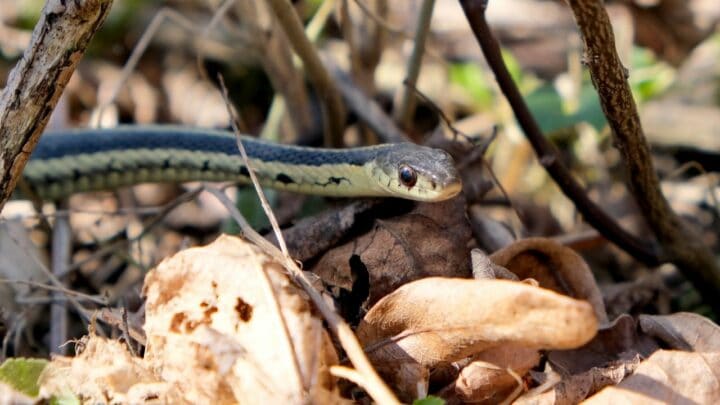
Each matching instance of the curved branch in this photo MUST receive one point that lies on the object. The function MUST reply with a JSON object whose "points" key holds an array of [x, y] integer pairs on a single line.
{"points": [[37, 81], [546, 152], [682, 245]]}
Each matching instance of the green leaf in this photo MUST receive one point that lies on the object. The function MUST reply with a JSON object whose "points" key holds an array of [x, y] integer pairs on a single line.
{"points": [[471, 78], [429, 400], [65, 400], [22, 374]]}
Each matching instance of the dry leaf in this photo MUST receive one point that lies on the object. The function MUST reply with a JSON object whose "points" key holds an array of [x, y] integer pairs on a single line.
{"points": [[436, 320], [431, 240], [555, 267], [105, 372], [668, 377], [314, 235], [615, 343], [225, 323], [574, 389], [683, 331], [487, 378], [484, 268]]}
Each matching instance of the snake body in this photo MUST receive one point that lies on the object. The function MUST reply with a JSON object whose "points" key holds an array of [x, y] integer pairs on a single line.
{"points": [[74, 161]]}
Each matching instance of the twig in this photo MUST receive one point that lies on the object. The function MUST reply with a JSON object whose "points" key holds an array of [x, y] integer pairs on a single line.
{"points": [[332, 106], [682, 245], [271, 129], [126, 331], [546, 152], [61, 251], [268, 290], [375, 387], [37, 81], [385, 24], [367, 110], [406, 104], [348, 374], [63, 290]]}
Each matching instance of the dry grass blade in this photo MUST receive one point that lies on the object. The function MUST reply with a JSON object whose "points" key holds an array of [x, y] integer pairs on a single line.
{"points": [[375, 387]]}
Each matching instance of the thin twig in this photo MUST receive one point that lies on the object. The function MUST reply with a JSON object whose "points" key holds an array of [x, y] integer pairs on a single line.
{"points": [[279, 104], [139, 50], [126, 331], [375, 387], [270, 294], [61, 251], [367, 110], [333, 109], [545, 151], [406, 104], [63, 290]]}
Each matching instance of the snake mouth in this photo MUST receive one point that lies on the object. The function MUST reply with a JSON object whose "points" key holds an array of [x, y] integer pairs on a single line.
{"points": [[450, 189]]}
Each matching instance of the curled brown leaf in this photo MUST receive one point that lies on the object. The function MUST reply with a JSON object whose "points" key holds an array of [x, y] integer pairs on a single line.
{"points": [[555, 267]]}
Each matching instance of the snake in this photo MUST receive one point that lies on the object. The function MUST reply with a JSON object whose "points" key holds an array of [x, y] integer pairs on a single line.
{"points": [[84, 160]]}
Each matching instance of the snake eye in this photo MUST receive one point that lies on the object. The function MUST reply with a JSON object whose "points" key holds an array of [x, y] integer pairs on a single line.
{"points": [[408, 177]]}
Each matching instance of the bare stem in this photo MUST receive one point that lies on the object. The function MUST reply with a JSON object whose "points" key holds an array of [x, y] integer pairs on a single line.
{"points": [[333, 109], [545, 151], [406, 105], [37, 81], [681, 244]]}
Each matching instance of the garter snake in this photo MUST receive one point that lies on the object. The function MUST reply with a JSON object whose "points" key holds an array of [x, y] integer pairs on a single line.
{"points": [[102, 159]]}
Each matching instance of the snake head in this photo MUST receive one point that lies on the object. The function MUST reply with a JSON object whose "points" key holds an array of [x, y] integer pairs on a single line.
{"points": [[417, 172]]}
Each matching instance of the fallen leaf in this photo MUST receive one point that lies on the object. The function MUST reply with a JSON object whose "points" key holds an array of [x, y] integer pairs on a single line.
{"points": [[617, 342], [488, 379], [105, 372], [437, 320], [226, 318], [683, 331], [223, 325], [555, 267], [431, 240], [668, 377], [484, 268], [576, 388]]}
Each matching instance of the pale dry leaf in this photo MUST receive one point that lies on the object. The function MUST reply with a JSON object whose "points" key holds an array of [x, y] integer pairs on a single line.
{"points": [[683, 331], [225, 323], [617, 342], [486, 379], [555, 267], [443, 319], [437, 320], [105, 372], [668, 377], [431, 240], [484, 268]]}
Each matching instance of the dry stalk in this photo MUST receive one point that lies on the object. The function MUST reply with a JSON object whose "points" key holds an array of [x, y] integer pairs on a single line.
{"points": [[332, 106]]}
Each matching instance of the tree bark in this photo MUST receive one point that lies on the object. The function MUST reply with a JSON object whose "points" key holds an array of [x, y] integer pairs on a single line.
{"points": [[37, 81]]}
